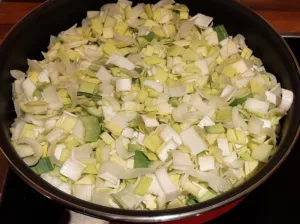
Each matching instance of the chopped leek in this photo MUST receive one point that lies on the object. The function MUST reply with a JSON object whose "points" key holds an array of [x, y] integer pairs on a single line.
{"points": [[215, 129], [134, 147], [221, 31], [147, 107], [92, 128], [192, 200], [150, 36], [89, 95], [44, 165], [143, 186], [239, 101], [140, 160]]}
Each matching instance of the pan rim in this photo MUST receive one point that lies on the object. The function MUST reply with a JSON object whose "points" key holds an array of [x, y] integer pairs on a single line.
{"points": [[132, 215]]}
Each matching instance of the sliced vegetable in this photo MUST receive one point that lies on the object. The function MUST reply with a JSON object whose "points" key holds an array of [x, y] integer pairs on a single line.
{"points": [[140, 160], [215, 129], [89, 95], [44, 165], [92, 128], [195, 142], [221, 31], [143, 186], [170, 189], [146, 107]]}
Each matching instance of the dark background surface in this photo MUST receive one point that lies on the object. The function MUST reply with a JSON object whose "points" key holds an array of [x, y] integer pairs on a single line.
{"points": [[275, 201]]}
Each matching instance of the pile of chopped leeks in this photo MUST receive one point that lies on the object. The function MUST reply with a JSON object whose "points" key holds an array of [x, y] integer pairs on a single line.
{"points": [[145, 107]]}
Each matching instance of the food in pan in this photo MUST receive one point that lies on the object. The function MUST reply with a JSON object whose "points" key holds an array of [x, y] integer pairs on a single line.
{"points": [[146, 107]]}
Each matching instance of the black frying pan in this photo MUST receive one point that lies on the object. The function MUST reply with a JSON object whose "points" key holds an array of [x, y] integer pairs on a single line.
{"points": [[31, 36]]}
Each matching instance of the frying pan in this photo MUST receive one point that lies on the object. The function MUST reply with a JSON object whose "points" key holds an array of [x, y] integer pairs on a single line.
{"points": [[31, 36]]}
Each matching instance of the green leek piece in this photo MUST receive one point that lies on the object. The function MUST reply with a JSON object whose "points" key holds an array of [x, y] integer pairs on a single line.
{"points": [[215, 129], [224, 115], [44, 165], [134, 147], [143, 186], [202, 153], [87, 87], [239, 101], [192, 200], [221, 31], [92, 128], [138, 70], [140, 160], [150, 36], [89, 95]]}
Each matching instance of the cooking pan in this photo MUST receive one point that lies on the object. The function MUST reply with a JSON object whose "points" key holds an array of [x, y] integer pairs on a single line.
{"points": [[31, 36]]}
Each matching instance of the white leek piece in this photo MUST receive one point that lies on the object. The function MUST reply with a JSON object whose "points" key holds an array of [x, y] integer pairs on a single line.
{"points": [[103, 74], [120, 61], [202, 21], [255, 105], [154, 85], [181, 160], [169, 133], [286, 99], [37, 148], [123, 85], [72, 169], [170, 189], [206, 121], [191, 138], [206, 163]]}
